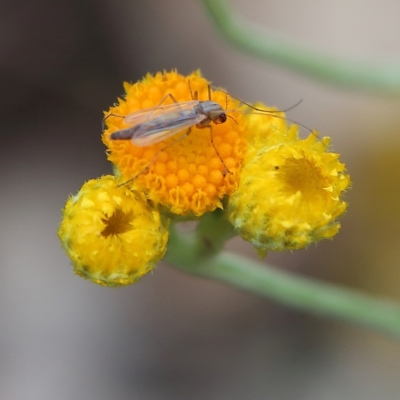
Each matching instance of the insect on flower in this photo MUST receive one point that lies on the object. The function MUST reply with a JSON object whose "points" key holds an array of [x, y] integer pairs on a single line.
{"points": [[153, 125]]}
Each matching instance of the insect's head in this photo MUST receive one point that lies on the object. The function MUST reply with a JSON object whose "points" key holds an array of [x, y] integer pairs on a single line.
{"points": [[219, 119], [214, 111]]}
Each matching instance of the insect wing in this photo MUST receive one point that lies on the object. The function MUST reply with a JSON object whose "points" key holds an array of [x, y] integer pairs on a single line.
{"points": [[166, 122], [159, 135], [155, 124], [142, 116]]}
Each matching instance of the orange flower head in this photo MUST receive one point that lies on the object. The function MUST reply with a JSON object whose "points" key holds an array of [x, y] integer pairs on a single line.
{"points": [[185, 172]]}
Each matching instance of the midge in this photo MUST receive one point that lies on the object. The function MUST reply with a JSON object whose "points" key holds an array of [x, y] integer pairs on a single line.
{"points": [[153, 125]]}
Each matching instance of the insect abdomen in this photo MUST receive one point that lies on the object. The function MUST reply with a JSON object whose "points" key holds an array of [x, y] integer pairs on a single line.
{"points": [[123, 134]]}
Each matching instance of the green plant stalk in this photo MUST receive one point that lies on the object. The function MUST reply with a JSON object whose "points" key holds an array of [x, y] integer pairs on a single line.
{"points": [[194, 253], [363, 75]]}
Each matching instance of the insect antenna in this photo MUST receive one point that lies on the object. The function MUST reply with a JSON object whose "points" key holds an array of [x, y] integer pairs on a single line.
{"points": [[260, 111], [263, 112], [233, 119], [255, 108], [267, 111]]}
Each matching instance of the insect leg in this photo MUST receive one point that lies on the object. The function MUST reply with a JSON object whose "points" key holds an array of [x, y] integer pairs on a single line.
{"points": [[226, 170], [147, 167], [143, 170], [194, 95]]}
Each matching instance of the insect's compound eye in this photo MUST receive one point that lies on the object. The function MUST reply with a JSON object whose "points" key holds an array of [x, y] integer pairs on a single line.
{"points": [[221, 118]]}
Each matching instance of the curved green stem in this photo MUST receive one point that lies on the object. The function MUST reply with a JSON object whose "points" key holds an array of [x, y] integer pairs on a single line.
{"points": [[191, 253], [244, 36]]}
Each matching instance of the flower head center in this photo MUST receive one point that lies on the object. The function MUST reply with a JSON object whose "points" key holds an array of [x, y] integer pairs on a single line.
{"points": [[304, 175], [119, 222]]}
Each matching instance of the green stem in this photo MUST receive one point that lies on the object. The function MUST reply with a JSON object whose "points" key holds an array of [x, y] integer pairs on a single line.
{"points": [[189, 253], [243, 35], [213, 231]]}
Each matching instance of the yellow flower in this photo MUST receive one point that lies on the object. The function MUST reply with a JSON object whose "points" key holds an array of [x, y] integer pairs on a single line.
{"points": [[289, 191], [112, 234], [183, 173]]}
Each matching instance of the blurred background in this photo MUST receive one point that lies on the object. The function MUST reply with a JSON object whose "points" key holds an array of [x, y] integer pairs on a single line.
{"points": [[173, 336]]}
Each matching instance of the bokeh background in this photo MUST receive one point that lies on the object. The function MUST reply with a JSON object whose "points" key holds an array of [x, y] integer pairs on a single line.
{"points": [[173, 336]]}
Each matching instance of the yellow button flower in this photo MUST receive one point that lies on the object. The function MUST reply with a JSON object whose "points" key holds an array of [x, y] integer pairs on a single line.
{"points": [[183, 173], [279, 192], [289, 191], [112, 234]]}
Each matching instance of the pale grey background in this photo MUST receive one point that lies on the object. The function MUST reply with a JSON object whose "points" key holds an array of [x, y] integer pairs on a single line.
{"points": [[173, 336]]}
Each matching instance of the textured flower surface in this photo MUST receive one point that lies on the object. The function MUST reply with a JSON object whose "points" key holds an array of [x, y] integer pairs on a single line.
{"points": [[183, 173], [278, 192], [289, 192], [112, 234]]}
